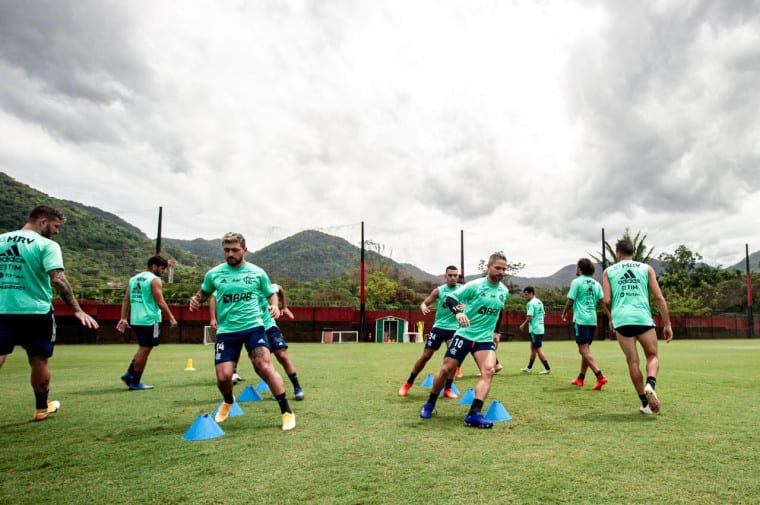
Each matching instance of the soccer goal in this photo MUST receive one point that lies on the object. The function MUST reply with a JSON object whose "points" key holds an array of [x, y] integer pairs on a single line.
{"points": [[340, 337], [412, 336], [209, 335]]}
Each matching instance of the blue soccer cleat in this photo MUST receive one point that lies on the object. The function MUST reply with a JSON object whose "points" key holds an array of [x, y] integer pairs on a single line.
{"points": [[427, 411], [477, 421], [127, 379], [298, 393], [139, 387]]}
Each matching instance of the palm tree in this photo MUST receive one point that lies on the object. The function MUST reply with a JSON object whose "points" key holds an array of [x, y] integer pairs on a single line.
{"points": [[640, 251]]}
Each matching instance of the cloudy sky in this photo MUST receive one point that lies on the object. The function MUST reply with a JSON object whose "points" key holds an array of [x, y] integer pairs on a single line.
{"points": [[529, 125]]}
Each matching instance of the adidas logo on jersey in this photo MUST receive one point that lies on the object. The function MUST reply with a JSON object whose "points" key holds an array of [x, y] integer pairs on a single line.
{"points": [[12, 255]]}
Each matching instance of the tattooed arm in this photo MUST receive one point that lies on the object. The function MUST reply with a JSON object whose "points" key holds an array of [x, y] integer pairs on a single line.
{"points": [[61, 284]]}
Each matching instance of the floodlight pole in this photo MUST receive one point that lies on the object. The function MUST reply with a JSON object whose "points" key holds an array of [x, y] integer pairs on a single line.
{"points": [[461, 255], [362, 305], [158, 234], [750, 320]]}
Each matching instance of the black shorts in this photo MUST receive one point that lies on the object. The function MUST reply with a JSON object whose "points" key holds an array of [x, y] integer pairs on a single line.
{"points": [[437, 337], [633, 330], [229, 345], [276, 340], [584, 333], [34, 332], [147, 336]]}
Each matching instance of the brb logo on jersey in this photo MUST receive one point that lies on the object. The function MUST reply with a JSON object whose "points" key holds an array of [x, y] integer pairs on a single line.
{"points": [[488, 311], [237, 297]]}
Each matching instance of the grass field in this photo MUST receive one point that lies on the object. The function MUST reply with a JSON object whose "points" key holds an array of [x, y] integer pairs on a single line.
{"points": [[358, 443]]}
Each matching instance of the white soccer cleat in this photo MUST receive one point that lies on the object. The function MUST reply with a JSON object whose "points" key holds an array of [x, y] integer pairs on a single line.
{"points": [[654, 402], [645, 410]]}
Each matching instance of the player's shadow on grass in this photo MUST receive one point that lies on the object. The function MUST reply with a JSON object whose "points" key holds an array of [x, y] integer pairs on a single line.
{"points": [[632, 417]]}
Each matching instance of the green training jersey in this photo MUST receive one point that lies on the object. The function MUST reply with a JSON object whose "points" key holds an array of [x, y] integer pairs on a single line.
{"points": [[585, 292], [237, 295], [143, 310], [535, 308], [444, 318], [483, 302], [26, 257], [629, 283], [266, 317]]}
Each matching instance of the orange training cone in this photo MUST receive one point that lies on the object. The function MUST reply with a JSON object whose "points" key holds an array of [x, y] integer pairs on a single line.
{"points": [[189, 366]]}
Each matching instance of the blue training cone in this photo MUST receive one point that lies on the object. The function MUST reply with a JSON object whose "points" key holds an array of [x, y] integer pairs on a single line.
{"points": [[453, 388], [249, 395], [262, 386], [468, 397], [203, 428], [496, 412], [428, 382], [234, 411]]}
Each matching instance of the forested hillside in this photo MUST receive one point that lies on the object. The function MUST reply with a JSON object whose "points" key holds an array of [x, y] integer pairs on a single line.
{"points": [[101, 251]]}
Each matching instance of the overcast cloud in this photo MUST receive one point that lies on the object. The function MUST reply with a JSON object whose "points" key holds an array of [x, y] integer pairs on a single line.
{"points": [[530, 125]]}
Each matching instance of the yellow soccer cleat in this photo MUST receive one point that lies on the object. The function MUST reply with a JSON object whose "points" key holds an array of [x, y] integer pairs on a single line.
{"points": [[288, 421], [224, 412], [52, 408]]}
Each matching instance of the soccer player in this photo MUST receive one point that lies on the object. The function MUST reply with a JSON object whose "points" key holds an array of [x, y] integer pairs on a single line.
{"points": [[30, 264], [142, 308], [626, 286], [582, 298], [443, 331], [534, 322], [276, 340], [483, 301], [237, 286]]}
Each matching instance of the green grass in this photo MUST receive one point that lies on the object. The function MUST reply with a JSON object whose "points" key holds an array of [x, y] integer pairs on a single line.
{"points": [[358, 443]]}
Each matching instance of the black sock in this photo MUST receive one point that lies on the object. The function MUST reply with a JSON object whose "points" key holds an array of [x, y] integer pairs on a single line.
{"points": [[449, 382], [652, 381], [411, 378], [131, 369], [546, 364], [283, 401], [598, 374], [476, 406], [644, 401], [41, 400], [432, 398], [228, 398], [530, 363], [294, 379], [581, 376], [234, 370], [136, 377]]}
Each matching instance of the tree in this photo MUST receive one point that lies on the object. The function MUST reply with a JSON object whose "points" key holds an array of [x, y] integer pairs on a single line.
{"points": [[640, 251]]}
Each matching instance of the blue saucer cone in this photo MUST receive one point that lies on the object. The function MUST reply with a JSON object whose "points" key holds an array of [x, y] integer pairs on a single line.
{"points": [[249, 395], [203, 428], [496, 412], [234, 411], [468, 397], [428, 382], [262, 386]]}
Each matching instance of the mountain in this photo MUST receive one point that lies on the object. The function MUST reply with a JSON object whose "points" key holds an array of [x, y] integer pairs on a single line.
{"points": [[565, 275], [100, 250], [754, 263]]}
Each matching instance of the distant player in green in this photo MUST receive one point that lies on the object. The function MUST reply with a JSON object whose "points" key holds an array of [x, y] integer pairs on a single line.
{"points": [[142, 308], [237, 286], [627, 286], [443, 330], [30, 263], [483, 301], [534, 323], [582, 298]]}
